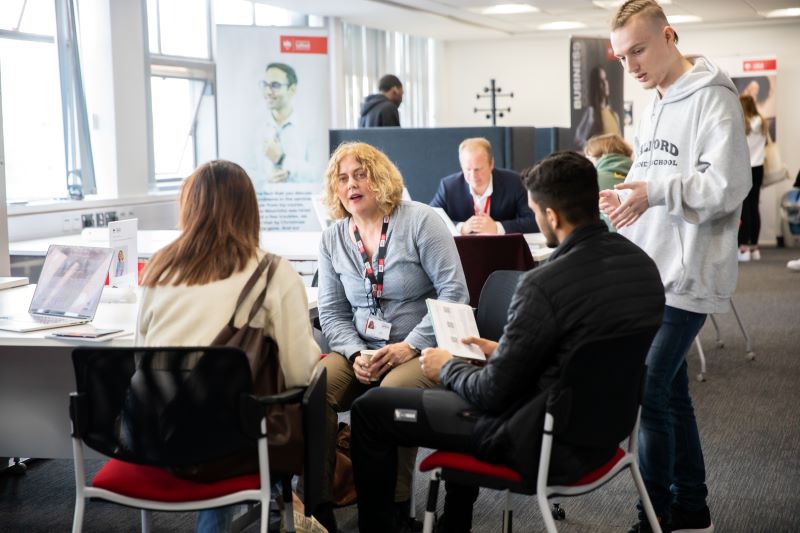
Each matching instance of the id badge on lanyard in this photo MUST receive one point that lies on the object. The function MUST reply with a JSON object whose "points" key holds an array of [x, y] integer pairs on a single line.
{"points": [[374, 327]]}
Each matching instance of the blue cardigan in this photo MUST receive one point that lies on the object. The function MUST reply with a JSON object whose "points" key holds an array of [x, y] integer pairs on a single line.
{"points": [[509, 204]]}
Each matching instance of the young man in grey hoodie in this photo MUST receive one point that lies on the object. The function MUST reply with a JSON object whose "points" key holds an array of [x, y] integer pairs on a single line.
{"points": [[680, 204]]}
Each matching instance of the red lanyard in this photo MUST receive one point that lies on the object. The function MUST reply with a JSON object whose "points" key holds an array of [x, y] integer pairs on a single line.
{"points": [[375, 281], [485, 206]]}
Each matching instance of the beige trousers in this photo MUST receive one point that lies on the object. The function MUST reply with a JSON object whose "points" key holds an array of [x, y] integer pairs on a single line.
{"points": [[343, 389]]}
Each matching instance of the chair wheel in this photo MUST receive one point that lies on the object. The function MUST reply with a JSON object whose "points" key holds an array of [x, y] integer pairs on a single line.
{"points": [[17, 469], [558, 512], [701, 377], [751, 356]]}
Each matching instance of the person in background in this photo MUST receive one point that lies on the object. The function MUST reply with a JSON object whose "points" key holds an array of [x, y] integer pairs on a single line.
{"points": [[191, 286], [377, 265], [612, 157], [381, 110], [497, 411], [681, 204], [482, 198], [756, 129]]}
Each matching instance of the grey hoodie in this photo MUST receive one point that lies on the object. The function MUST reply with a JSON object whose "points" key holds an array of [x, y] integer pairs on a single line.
{"points": [[691, 149]]}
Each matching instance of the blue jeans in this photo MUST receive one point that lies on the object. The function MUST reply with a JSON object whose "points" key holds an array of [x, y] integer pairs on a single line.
{"points": [[217, 520], [670, 457]]}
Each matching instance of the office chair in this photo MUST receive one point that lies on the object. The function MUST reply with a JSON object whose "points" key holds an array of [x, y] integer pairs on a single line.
{"points": [[483, 254], [597, 403], [152, 409], [751, 354], [495, 299]]}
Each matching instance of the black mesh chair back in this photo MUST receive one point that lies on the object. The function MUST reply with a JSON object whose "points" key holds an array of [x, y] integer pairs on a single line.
{"points": [[597, 398], [492, 313], [164, 406]]}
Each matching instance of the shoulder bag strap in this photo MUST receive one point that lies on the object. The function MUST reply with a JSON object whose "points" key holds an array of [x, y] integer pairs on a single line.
{"points": [[262, 265]]}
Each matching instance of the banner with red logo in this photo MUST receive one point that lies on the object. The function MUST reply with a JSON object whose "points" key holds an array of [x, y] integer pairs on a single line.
{"points": [[756, 75], [273, 113], [595, 80]]}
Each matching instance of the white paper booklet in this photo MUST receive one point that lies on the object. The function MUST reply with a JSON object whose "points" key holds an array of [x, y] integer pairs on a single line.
{"points": [[451, 323]]}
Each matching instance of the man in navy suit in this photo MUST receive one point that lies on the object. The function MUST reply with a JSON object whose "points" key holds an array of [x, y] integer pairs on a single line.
{"points": [[484, 199]]}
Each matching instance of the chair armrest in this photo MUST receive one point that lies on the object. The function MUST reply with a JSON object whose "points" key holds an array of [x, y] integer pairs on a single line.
{"points": [[294, 395]]}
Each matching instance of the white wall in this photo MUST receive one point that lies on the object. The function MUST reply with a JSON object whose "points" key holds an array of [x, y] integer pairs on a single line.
{"points": [[536, 69]]}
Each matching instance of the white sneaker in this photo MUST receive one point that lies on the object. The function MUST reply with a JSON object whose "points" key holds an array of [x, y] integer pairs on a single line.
{"points": [[744, 257], [794, 265], [755, 255]]}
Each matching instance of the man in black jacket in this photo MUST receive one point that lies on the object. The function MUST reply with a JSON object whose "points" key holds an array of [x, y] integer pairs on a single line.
{"points": [[596, 283], [380, 110]]}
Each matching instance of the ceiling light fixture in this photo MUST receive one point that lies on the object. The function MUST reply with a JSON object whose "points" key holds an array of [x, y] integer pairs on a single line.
{"points": [[506, 9], [683, 19], [614, 4], [561, 25], [788, 12]]}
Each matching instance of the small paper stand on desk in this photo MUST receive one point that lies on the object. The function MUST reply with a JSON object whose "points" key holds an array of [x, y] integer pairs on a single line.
{"points": [[123, 274]]}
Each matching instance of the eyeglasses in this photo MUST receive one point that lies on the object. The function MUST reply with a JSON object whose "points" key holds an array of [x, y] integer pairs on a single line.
{"points": [[274, 85]]}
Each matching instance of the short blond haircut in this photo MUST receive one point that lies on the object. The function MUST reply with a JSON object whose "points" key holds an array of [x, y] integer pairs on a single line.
{"points": [[383, 178], [477, 143], [649, 9], [608, 143]]}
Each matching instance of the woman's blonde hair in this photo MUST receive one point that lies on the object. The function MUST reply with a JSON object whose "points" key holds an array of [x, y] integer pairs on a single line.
{"points": [[608, 143], [218, 216], [383, 178], [751, 110]]}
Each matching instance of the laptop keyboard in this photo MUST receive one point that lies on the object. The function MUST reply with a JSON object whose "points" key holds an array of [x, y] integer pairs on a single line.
{"points": [[44, 319]]}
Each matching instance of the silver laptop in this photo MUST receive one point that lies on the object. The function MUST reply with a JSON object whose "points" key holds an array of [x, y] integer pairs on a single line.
{"points": [[68, 291]]}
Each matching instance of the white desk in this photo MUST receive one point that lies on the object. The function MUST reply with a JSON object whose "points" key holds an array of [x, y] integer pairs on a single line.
{"points": [[36, 377], [294, 246]]}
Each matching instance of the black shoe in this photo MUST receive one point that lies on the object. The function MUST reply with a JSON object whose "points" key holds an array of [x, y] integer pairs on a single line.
{"points": [[404, 519], [643, 526], [324, 515], [691, 521]]}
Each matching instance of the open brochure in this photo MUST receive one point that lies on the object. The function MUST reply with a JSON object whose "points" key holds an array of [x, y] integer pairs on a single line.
{"points": [[451, 323]]}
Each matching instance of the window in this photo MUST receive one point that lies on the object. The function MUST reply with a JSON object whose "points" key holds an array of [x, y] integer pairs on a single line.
{"points": [[181, 88], [369, 54], [33, 134]]}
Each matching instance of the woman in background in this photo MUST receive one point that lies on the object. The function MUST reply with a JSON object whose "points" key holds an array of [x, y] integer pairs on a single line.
{"points": [[377, 265], [598, 118], [612, 157], [756, 128], [191, 286]]}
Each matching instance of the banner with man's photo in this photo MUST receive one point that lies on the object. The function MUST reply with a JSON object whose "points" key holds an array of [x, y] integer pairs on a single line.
{"points": [[596, 81], [273, 114]]}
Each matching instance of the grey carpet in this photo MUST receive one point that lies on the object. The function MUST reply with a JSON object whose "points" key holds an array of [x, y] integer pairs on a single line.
{"points": [[747, 413]]}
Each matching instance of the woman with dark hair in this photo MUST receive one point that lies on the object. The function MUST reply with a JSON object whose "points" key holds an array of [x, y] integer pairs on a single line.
{"points": [[192, 285], [756, 129], [598, 118]]}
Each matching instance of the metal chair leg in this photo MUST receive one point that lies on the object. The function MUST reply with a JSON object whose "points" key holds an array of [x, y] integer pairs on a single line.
{"points": [[719, 342], [702, 356], [430, 507], [748, 343]]}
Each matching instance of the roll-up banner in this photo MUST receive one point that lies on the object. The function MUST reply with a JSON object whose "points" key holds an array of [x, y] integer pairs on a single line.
{"points": [[596, 81], [756, 75], [273, 115]]}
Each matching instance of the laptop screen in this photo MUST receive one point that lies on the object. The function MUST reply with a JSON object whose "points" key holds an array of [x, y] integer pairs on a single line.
{"points": [[71, 281]]}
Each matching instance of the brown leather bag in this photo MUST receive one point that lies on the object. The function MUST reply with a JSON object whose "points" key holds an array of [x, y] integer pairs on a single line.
{"points": [[344, 486], [284, 422]]}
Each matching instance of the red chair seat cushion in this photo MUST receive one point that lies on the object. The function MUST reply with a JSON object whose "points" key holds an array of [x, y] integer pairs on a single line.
{"points": [[597, 473], [468, 463], [153, 483]]}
